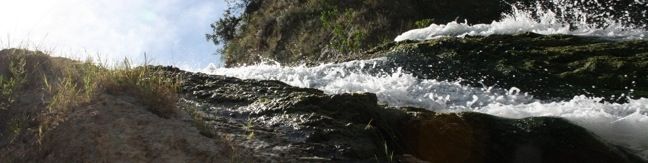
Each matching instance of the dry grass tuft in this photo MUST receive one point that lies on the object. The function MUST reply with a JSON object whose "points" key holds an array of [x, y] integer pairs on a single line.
{"points": [[13, 81], [151, 87], [81, 82], [38, 91]]}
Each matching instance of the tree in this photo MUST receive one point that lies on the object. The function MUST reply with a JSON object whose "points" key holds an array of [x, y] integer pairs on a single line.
{"points": [[226, 28]]}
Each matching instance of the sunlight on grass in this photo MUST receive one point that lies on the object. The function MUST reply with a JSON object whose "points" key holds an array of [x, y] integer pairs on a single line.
{"points": [[65, 85]]}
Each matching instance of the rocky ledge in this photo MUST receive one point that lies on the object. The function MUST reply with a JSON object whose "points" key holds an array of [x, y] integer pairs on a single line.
{"points": [[550, 67], [270, 120]]}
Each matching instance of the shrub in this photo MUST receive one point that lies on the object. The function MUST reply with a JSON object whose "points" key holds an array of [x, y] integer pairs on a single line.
{"points": [[345, 39], [224, 29], [423, 23], [10, 84], [227, 27]]}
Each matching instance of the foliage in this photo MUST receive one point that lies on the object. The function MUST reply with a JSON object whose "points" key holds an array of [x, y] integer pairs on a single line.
{"points": [[226, 28], [64, 85], [423, 23], [156, 91], [9, 85], [345, 38]]}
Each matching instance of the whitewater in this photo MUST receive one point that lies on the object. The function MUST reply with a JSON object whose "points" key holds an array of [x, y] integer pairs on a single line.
{"points": [[624, 124], [538, 20]]}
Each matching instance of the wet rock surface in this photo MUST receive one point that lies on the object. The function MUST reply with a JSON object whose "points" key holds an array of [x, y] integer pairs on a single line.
{"points": [[476, 137], [281, 122], [271, 120], [554, 67]]}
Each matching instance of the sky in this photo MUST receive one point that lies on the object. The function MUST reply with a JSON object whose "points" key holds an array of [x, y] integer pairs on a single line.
{"points": [[170, 32]]}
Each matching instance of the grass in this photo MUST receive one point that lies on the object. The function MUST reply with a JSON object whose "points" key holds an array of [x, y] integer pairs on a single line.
{"points": [[82, 82], [15, 127], [10, 84], [64, 85], [249, 129], [423, 23], [155, 90]]}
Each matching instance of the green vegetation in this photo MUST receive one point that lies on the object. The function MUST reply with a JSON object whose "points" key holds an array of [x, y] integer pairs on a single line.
{"points": [[319, 31], [346, 38], [388, 153], [9, 85], [224, 29], [227, 27], [155, 90], [249, 128], [423, 23], [82, 83], [64, 85], [15, 127]]}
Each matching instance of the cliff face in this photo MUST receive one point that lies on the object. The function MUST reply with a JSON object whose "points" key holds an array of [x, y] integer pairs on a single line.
{"points": [[315, 31]]}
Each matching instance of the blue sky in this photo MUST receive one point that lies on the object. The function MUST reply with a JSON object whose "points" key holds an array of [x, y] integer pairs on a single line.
{"points": [[169, 31]]}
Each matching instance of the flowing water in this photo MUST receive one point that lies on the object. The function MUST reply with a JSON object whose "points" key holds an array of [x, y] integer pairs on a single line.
{"points": [[565, 17], [625, 124]]}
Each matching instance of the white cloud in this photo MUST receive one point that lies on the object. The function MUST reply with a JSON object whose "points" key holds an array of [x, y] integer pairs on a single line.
{"points": [[169, 31]]}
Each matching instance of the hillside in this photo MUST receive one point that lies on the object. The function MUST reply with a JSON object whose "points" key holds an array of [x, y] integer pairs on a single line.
{"points": [[315, 31], [58, 110], [321, 31]]}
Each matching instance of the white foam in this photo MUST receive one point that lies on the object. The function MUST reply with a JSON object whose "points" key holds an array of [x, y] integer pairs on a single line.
{"points": [[521, 21], [624, 124]]}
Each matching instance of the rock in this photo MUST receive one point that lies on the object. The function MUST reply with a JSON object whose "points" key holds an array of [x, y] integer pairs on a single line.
{"points": [[476, 137], [280, 122], [555, 67]]}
